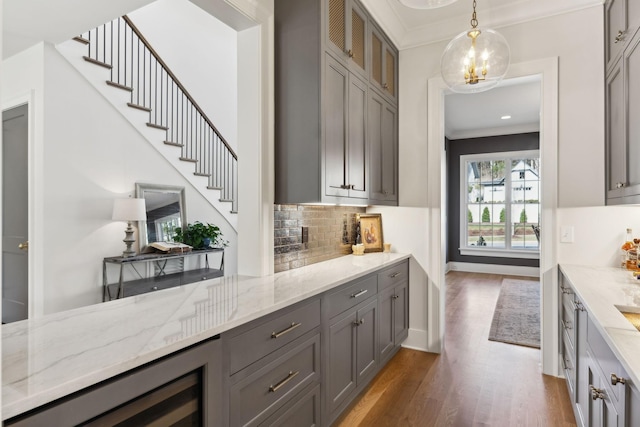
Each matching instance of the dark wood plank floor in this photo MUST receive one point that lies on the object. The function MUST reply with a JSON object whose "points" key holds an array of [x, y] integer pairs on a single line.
{"points": [[474, 382]]}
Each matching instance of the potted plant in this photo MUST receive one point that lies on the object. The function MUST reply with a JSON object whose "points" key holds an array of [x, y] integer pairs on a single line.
{"points": [[200, 236]]}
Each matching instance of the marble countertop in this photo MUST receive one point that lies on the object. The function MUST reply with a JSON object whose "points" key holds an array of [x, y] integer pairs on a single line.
{"points": [[601, 289], [50, 357]]}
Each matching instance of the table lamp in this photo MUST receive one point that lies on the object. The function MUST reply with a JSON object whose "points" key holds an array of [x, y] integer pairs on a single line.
{"points": [[129, 210]]}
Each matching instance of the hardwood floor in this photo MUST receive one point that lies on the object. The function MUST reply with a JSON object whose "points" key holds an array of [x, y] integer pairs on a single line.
{"points": [[474, 382]]}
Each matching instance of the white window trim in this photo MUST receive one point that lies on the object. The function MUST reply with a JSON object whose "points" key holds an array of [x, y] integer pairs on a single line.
{"points": [[492, 252]]}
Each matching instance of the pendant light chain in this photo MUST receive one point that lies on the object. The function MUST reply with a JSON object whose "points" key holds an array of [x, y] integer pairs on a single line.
{"points": [[474, 20]]}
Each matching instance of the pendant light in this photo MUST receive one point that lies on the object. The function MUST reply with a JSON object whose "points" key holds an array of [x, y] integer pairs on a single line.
{"points": [[475, 60], [426, 4]]}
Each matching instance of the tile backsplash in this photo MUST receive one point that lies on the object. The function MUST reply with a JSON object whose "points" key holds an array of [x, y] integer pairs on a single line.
{"points": [[329, 232]]}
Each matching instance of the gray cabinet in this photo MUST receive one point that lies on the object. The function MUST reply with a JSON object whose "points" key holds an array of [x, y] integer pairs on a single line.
{"points": [[345, 130], [622, 103], [393, 305], [322, 87], [172, 391], [600, 390], [346, 31], [352, 350], [383, 151], [384, 65]]}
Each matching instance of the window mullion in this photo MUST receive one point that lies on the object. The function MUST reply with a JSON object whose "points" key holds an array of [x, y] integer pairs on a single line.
{"points": [[507, 203]]}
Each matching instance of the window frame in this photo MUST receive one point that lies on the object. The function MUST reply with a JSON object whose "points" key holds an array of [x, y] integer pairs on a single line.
{"points": [[508, 251]]}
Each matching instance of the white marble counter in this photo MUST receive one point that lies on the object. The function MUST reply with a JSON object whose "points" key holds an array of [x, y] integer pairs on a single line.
{"points": [[601, 289], [50, 357]]}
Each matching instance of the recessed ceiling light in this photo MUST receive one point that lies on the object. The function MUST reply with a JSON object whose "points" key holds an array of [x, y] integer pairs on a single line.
{"points": [[426, 4], [505, 117]]}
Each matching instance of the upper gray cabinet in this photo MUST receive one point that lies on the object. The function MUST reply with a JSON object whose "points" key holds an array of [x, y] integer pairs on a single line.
{"points": [[323, 92], [384, 65], [383, 151], [622, 102]]}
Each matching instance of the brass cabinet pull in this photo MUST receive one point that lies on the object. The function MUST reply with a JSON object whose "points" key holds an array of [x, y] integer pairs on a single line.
{"points": [[359, 322], [385, 86], [357, 294], [24, 246], [596, 393], [285, 331], [394, 275], [567, 325], [617, 380], [274, 388], [565, 290], [350, 53], [619, 36]]}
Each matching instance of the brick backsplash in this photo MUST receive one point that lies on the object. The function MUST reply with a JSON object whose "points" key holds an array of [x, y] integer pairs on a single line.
{"points": [[331, 232]]}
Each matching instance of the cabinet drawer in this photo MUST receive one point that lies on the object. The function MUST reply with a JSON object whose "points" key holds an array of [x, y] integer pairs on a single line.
{"points": [[569, 365], [303, 411], [268, 336], [606, 361], [393, 275], [351, 294], [259, 394], [568, 324]]}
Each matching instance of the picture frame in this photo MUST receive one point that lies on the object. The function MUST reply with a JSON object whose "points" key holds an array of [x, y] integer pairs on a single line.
{"points": [[371, 232]]}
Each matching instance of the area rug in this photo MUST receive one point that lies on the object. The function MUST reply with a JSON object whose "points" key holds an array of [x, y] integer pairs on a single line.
{"points": [[516, 319]]}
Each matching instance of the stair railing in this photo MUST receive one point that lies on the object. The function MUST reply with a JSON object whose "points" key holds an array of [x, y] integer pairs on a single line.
{"points": [[136, 67]]}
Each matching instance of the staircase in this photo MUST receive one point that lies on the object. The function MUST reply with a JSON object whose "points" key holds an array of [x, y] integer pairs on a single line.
{"points": [[136, 69]]}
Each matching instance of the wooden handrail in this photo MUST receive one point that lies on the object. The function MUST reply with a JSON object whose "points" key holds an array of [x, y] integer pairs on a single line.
{"points": [[178, 83]]}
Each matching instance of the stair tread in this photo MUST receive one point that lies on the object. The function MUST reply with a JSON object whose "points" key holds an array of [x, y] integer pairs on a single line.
{"points": [[201, 174], [153, 125], [186, 159], [138, 107], [119, 86], [96, 62], [214, 188], [175, 144], [81, 40], [225, 200]]}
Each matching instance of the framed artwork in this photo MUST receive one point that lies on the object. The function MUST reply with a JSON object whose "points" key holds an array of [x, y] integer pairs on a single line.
{"points": [[371, 232]]}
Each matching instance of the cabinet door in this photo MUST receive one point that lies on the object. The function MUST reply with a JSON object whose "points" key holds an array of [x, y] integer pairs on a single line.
{"points": [[384, 65], [383, 149], [357, 169], [341, 365], [302, 411], [386, 332], [602, 411], [335, 138], [346, 34], [632, 68], [616, 29], [583, 395], [367, 340], [401, 313], [616, 138]]}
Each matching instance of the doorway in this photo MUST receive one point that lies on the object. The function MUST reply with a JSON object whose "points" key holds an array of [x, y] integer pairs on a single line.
{"points": [[15, 209], [548, 70]]}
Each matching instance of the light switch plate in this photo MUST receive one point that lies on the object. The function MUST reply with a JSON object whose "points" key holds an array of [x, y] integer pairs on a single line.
{"points": [[566, 234]]}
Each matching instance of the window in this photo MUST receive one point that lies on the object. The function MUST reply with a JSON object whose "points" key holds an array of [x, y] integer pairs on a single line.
{"points": [[501, 197]]}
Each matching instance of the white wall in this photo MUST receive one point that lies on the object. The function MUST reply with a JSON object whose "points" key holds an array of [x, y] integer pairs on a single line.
{"points": [[90, 156], [202, 52], [581, 143]]}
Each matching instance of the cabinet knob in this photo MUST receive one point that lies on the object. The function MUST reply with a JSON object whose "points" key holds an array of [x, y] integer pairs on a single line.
{"points": [[24, 246], [385, 86], [617, 380], [350, 53], [359, 322], [619, 184], [619, 37], [596, 393], [565, 290], [579, 306], [567, 325], [396, 296]]}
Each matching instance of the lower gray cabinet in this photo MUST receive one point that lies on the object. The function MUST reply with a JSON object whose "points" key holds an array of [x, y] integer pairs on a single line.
{"points": [[302, 411], [352, 353], [602, 410], [181, 389], [393, 305]]}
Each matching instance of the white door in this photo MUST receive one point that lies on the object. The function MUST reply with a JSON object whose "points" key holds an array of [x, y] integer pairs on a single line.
{"points": [[15, 279]]}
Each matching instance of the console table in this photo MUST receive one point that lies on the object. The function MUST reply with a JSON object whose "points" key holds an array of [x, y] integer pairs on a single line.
{"points": [[160, 279]]}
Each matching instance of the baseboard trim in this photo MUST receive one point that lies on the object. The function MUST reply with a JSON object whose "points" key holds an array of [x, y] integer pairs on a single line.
{"points": [[417, 340], [511, 270]]}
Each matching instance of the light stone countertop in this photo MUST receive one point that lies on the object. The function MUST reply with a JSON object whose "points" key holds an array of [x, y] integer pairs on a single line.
{"points": [[601, 289], [53, 356]]}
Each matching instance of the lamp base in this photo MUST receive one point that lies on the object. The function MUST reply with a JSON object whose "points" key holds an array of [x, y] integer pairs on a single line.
{"points": [[129, 240]]}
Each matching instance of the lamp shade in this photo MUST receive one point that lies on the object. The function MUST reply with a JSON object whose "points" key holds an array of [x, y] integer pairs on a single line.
{"points": [[426, 4], [129, 210], [475, 61]]}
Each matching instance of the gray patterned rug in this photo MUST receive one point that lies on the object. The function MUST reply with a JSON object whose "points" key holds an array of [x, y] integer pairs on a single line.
{"points": [[516, 319]]}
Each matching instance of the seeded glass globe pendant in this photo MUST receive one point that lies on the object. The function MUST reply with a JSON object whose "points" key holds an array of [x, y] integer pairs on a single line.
{"points": [[426, 4], [475, 60]]}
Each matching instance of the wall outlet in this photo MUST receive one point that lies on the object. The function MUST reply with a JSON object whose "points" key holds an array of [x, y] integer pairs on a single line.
{"points": [[566, 234]]}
